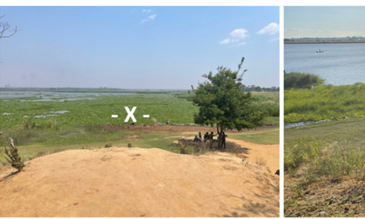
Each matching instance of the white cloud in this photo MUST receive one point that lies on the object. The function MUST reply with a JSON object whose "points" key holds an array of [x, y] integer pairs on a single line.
{"points": [[226, 41], [236, 36], [146, 10], [151, 17], [239, 34], [270, 29]]}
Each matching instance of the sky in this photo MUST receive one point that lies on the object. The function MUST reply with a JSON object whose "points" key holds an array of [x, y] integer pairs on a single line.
{"points": [[137, 47], [324, 21]]}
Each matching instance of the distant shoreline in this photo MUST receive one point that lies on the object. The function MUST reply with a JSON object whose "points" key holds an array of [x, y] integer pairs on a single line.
{"points": [[321, 42]]}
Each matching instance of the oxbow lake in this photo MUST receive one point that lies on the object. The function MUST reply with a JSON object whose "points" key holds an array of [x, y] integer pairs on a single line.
{"points": [[339, 64]]}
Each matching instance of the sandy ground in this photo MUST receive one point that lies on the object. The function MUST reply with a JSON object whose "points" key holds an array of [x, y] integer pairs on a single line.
{"points": [[135, 182], [261, 153], [269, 155]]}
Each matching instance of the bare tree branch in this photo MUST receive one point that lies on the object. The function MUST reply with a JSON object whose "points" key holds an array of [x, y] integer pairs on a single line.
{"points": [[6, 27]]}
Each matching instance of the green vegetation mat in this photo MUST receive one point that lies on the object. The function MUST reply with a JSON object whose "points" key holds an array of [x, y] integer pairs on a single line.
{"points": [[326, 102], [174, 106]]}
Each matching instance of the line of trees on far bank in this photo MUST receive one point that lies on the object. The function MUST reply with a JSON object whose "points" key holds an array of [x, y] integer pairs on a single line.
{"points": [[259, 89]]}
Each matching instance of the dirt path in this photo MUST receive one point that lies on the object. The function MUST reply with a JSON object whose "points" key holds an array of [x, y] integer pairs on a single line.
{"points": [[135, 182], [269, 155]]}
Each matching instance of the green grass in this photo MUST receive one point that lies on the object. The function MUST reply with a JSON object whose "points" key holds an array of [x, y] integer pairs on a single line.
{"points": [[326, 102], [346, 129], [88, 140], [328, 161], [266, 136], [310, 145], [92, 137]]}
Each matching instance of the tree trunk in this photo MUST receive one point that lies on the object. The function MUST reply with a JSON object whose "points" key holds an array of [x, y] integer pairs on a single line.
{"points": [[220, 138]]}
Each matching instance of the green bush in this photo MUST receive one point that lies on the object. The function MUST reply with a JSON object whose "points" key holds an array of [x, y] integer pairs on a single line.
{"points": [[301, 80]]}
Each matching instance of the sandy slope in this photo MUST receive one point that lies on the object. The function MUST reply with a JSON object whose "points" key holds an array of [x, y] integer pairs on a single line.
{"points": [[138, 182], [268, 154]]}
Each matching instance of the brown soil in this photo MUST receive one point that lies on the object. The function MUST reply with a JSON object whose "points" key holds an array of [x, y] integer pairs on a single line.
{"points": [[135, 182], [257, 153]]}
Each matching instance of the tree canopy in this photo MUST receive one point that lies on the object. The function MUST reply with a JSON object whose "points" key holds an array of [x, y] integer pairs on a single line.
{"points": [[223, 103]]}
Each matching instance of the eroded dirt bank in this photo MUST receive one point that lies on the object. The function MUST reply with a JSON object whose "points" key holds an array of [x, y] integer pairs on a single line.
{"points": [[135, 182]]}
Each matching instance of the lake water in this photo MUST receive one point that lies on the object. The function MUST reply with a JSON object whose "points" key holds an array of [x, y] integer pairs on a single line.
{"points": [[47, 95], [340, 64]]}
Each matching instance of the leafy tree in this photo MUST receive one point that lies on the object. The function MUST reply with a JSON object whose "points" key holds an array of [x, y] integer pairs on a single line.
{"points": [[223, 103], [258, 89]]}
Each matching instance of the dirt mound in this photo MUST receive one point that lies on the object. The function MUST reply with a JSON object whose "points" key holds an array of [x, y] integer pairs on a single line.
{"points": [[134, 182]]}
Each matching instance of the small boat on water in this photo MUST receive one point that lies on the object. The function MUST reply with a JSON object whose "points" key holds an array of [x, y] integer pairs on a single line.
{"points": [[319, 51]]}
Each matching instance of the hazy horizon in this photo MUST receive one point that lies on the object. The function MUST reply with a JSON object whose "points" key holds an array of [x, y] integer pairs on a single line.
{"points": [[128, 47], [323, 21]]}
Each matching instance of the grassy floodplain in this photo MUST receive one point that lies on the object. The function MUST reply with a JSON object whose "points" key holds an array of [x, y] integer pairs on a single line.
{"points": [[325, 162], [52, 123]]}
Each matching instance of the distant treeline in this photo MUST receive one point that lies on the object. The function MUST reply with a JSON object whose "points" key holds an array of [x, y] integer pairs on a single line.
{"points": [[259, 89], [321, 42], [301, 80]]}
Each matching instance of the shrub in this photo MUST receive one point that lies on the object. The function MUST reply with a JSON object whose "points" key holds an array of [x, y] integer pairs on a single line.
{"points": [[13, 157], [301, 80]]}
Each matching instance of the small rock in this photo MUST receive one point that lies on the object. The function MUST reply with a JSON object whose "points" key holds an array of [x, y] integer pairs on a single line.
{"points": [[346, 210], [76, 203], [307, 192]]}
